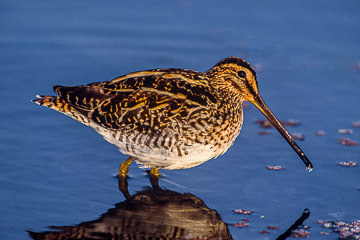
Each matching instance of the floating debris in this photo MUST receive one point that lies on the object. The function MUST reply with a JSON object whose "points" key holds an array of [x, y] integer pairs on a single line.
{"points": [[245, 220], [267, 124], [242, 211], [300, 233], [275, 168], [305, 227], [345, 131], [270, 228], [347, 142], [320, 133], [356, 124], [291, 122], [324, 233], [347, 164], [264, 123], [345, 230], [298, 136], [328, 224], [273, 227], [240, 224], [264, 133]]}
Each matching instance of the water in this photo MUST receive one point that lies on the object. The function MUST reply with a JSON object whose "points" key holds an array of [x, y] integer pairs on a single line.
{"points": [[57, 172]]}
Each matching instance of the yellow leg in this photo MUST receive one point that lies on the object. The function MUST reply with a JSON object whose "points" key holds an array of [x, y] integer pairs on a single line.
{"points": [[154, 178], [154, 172], [124, 167]]}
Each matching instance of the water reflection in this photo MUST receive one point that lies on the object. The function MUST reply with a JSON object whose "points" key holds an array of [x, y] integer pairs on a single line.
{"points": [[155, 213], [150, 214], [298, 223]]}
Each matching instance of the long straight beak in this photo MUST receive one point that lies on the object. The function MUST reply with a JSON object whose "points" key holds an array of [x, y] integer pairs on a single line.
{"points": [[260, 104]]}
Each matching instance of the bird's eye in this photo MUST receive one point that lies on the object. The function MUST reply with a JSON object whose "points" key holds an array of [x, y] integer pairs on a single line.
{"points": [[241, 74]]}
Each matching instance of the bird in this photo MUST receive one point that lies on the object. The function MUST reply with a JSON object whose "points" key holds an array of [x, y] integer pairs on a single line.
{"points": [[169, 118]]}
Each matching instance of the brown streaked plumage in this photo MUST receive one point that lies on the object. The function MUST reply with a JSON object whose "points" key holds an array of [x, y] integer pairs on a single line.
{"points": [[168, 118]]}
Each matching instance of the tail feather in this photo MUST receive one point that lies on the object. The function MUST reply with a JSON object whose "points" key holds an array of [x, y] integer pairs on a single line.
{"points": [[83, 97], [60, 105], [52, 102], [77, 102]]}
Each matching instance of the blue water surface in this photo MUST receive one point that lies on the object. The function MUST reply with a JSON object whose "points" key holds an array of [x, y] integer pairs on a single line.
{"points": [[57, 172]]}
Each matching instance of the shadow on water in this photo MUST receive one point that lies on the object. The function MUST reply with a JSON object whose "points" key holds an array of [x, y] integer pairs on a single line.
{"points": [[154, 213]]}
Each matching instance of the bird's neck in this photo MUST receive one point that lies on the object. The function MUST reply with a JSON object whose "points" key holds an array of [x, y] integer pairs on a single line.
{"points": [[225, 90]]}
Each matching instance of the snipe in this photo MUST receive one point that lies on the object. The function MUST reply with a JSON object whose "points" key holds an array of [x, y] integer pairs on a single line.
{"points": [[169, 118]]}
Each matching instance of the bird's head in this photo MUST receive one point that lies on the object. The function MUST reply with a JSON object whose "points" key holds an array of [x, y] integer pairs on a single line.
{"points": [[237, 74], [239, 77]]}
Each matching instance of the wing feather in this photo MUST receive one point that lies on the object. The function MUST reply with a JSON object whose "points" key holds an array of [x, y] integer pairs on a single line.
{"points": [[144, 101]]}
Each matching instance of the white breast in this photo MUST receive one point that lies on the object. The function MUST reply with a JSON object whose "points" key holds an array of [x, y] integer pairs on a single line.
{"points": [[173, 156]]}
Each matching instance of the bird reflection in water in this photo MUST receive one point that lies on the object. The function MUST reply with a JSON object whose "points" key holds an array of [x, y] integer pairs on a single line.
{"points": [[150, 214], [154, 213]]}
